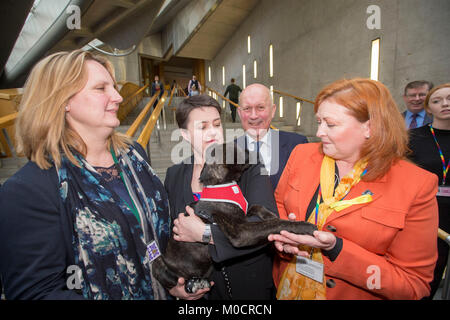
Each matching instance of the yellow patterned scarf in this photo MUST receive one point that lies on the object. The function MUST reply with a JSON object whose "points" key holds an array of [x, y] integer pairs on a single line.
{"points": [[293, 285]]}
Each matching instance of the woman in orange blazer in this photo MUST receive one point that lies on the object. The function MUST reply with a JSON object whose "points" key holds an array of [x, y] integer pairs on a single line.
{"points": [[376, 213]]}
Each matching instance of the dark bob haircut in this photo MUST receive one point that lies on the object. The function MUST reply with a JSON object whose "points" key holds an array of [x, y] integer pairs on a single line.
{"points": [[191, 103]]}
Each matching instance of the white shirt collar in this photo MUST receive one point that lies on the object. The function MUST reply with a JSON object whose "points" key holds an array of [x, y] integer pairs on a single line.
{"points": [[265, 140]]}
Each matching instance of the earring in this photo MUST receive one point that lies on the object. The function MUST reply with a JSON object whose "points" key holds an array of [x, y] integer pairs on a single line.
{"points": [[67, 108]]}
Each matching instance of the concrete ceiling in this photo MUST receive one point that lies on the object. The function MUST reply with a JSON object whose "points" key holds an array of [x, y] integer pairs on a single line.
{"points": [[122, 23], [100, 18], [217, 29]]}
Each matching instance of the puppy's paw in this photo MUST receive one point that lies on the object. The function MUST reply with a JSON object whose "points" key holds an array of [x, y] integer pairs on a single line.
{"points": [[195, 284]]}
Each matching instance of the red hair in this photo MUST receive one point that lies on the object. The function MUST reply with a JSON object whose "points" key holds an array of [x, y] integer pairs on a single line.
{"points": [[426, 105], [371, 100]]}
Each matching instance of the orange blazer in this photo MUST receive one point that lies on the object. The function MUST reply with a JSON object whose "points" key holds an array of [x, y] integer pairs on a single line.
{"points": [[389, 245]]}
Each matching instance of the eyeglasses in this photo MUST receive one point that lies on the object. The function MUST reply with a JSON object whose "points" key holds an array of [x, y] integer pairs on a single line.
{"points": [[413, 95]]}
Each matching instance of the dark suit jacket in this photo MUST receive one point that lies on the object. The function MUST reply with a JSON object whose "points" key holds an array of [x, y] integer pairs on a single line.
{"points": [[249, 269], [282, 144]]}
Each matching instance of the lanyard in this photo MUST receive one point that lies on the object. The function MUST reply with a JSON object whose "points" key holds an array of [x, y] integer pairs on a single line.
{"points": [[445, 168], [132, 207]]}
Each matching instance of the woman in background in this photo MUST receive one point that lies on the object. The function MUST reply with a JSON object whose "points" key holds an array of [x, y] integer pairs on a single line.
{"points": [[430, 146]]}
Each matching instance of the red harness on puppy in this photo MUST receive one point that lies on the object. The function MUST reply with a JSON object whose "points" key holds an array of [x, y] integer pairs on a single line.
{"points": [[229, 192]]}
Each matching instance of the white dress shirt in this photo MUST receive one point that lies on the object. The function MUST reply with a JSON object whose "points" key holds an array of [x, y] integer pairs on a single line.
{"points": [[264, 150]]}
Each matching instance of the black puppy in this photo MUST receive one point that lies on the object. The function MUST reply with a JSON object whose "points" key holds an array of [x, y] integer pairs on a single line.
{"points": [[225, 164]]}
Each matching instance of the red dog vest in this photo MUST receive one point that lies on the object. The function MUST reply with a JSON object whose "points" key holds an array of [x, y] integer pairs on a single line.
{"points": [[229, 192]]}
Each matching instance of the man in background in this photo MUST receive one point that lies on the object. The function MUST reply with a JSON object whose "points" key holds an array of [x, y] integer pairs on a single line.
{"points": [[233, 90], [157, 87], [414, 97], [273, 147]]}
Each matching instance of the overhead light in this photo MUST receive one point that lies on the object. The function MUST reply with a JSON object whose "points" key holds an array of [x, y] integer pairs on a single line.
{"points": [[375, 59], [243, 76], [271, 60], [281, 107]]}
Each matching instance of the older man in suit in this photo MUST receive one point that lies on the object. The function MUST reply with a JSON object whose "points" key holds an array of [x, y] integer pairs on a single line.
{"points": [[272, 147], [414, 97]]}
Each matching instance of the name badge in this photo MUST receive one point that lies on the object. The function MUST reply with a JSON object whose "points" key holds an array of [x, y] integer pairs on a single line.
{"points": [[309, 268], [443, 191], [153, 251]]}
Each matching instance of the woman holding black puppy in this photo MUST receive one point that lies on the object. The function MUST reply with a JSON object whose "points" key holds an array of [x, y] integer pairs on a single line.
{"points": [[239, 273]]}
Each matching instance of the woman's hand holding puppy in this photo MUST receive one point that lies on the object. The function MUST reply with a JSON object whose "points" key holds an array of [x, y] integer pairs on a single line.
{"points": [[188, 227]]}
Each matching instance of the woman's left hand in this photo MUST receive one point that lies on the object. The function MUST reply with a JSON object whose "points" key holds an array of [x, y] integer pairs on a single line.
{"points": [[289, 242], [188, 228]]}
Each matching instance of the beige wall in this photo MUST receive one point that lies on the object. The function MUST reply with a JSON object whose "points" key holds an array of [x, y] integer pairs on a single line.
{"points": [[317, 42]]}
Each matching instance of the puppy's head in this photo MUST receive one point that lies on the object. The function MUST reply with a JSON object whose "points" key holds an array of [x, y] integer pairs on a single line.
{"points": [[224, 163]]}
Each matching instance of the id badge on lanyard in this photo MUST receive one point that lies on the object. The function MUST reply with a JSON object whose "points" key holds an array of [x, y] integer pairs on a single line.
{"points": [[443, 191], [309, 268]]}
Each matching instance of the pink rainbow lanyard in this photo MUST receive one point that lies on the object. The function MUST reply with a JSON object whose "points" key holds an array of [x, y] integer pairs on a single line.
{"points": [[445, 168]]}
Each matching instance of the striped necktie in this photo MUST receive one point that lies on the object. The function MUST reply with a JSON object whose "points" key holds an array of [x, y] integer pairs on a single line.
{"points": [[413, 123], [259, 157]]}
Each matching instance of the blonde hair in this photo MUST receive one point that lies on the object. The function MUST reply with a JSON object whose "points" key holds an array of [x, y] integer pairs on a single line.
{"points": [[42, 132]]}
